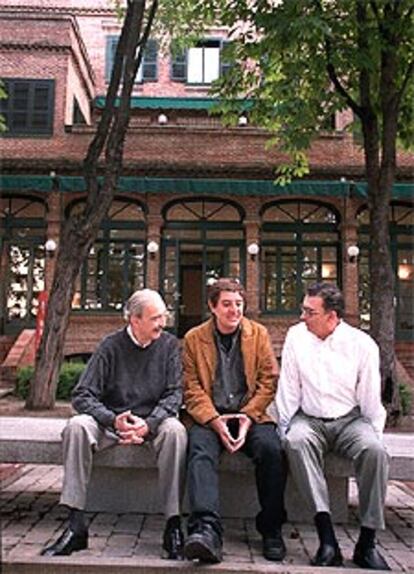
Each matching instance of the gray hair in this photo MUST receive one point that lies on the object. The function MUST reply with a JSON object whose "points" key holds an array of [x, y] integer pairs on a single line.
{"points": [[332, 297], [140, 299]]}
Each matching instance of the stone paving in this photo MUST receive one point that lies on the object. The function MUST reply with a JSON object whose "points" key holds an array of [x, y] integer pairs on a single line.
{"points": [[31, 517]]}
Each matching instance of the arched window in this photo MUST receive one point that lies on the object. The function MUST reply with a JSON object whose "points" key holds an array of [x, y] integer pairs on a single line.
{"points": [[401, 226], [300, 245], [22, 238], [203, 239], [115, 266]]}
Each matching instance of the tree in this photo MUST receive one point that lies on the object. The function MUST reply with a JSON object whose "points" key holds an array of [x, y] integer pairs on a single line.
{"points": [[79, 232], [300, 61]]}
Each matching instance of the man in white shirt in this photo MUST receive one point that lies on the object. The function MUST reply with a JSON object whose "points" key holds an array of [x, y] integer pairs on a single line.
{"points": [[329, 399]]}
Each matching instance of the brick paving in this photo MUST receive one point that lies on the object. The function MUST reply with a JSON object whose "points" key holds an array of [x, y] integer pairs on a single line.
{"points": [[31, 517]]}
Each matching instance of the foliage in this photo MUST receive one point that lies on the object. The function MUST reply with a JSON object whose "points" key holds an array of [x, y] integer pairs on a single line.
{"points": [[406, 398], [68, 377], [300, 61]]}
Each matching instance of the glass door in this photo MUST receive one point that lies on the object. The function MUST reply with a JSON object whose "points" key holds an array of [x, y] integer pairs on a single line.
{"points": [[188, 267]]}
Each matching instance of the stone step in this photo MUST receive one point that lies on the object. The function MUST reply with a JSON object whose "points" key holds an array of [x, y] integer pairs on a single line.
{"points": [[141, 565]]}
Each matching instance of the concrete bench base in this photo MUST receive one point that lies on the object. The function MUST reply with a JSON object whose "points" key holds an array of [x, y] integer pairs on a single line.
{"points": [[135, 490], [124, 478]]}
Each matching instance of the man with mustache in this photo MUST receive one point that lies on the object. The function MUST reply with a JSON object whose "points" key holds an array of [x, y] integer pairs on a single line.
{"points": [[129, 393], [329, 399]]}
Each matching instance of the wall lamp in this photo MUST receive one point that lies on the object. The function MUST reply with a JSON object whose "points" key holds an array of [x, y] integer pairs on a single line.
{"points": [[152, 248], [162, 119], [353, 252], [253, 250], [50, 247], [243, 121]]}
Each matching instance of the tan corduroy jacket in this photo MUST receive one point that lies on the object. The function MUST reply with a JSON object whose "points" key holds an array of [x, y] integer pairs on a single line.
{"points": [[200, 361]]}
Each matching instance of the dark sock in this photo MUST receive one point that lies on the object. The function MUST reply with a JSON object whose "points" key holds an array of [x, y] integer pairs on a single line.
{"points": [[366, 537], [325, 529], [77, 521], [173, 522]]}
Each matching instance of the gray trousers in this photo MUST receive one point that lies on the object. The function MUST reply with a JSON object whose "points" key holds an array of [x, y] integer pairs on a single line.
{"points": [[82, 436], [307, 442]]}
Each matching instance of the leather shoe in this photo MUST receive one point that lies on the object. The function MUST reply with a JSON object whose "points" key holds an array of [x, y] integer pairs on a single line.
{"points": [[274, 548], [173, 542], [327, 555], [369, 558], [204, 545], [67, 543]]}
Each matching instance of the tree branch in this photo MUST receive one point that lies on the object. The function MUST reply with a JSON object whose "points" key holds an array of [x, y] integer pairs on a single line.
{"points": [[332, 74], [406, 80]]}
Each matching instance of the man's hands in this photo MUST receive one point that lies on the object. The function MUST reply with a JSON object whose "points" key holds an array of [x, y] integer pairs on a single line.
{"points": [[131, 429], [221, 425]]}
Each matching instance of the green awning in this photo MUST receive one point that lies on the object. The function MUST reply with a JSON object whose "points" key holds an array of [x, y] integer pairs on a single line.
{"points": [[399, 190], [139, 102], [25, 183], [203, 186]]}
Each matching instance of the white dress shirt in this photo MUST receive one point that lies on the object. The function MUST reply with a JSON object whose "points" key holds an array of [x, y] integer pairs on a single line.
{"points": [[327, 378]]}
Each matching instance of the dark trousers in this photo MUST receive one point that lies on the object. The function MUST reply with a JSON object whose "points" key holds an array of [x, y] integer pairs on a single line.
{"points": [[263, 446]]}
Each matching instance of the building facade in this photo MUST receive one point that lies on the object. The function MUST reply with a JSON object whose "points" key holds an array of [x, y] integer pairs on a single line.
{"points": [[196, 200]]}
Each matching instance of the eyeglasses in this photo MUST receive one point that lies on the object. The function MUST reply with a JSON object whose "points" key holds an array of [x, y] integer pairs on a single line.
{"points": [[308, 311]]}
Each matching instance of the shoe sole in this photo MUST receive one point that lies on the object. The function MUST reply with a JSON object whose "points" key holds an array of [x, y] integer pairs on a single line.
{"points": [[274, 557], [336, 562], [51, 553], [197, 551]]}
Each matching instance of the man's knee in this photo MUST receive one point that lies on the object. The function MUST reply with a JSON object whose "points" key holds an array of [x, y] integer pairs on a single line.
{"points": [[375, 453], [77, 426], [203, 442], [173, 431]]}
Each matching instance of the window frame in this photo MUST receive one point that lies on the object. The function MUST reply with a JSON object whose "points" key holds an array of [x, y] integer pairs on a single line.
{"points": [[299, 243], [180, 60], [8, 107], [144, 73]]}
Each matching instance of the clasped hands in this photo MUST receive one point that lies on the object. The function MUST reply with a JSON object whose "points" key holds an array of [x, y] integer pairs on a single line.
{"points": [[223, 425], [131, 429]]}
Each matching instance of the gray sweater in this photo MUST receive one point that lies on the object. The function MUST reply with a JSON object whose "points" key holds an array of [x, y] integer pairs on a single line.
{"points": [[121, 376]]}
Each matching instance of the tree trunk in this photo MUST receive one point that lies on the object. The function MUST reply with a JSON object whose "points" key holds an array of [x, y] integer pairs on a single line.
{"points": [[50, 354], [79, 233], [380, 160]]}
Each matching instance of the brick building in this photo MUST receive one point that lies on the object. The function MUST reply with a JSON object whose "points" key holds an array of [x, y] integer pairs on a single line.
{"points": [[195, 201]]}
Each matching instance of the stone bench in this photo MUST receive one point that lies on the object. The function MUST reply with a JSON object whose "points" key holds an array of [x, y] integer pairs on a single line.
{"points": [[124, 478]]}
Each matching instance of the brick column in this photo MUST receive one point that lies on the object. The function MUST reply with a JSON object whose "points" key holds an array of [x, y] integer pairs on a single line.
{"points": [[52, 232], [252, 269], [349, 230], [154, 224]]}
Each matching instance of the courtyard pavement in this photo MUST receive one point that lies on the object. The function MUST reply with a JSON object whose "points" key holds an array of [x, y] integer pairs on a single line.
{"points": [[31, 517]]}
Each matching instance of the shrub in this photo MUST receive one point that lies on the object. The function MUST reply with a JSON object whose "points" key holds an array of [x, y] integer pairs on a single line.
{"points": [[68, 377], [406, 398], [24, 376]]}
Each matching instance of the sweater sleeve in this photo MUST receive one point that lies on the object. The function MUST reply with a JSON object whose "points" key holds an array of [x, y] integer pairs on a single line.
{"points": [[171, 399], [87, 395]]}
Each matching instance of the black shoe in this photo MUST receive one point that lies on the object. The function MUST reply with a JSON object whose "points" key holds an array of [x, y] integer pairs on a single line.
{"points": [[274, 548], [67, 543], [173, 541], [204, 545], [327, 555], [369, 557]]}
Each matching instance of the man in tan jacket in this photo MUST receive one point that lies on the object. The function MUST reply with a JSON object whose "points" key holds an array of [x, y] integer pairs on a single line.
{"points": [[229, 380]]}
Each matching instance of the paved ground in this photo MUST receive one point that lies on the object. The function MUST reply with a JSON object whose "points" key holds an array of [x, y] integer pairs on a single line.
{"points": [[32, 517]]}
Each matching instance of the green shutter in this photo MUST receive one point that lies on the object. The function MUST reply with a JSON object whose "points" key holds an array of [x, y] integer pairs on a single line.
{"points": [[225, 62], [178, 65], [149, 61], [111, 44]]}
